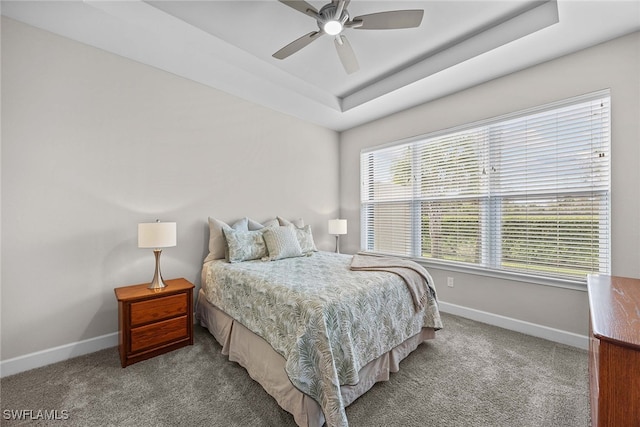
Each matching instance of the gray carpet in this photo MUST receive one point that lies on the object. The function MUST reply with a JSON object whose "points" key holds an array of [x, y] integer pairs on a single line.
{"points": [[472, 374]]}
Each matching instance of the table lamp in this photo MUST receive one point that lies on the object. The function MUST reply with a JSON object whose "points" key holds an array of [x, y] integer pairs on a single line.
{"points": [[157, 235], [337, 227]]}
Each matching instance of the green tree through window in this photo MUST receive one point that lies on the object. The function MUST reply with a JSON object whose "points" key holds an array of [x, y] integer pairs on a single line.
{"points": [[525, 193]]}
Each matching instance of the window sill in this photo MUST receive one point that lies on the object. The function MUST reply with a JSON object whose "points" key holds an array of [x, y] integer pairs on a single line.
{"points": [[576, 285]]}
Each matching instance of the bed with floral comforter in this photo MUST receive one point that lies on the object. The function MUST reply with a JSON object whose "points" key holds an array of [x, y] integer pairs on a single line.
{"points": [[326, 320]]}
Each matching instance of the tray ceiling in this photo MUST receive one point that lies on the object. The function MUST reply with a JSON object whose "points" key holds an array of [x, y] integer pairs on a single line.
{"points": [[228, 45]]}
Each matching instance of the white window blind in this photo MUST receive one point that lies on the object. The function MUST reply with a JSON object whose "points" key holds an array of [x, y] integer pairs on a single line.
{"points": [[527, 193]]}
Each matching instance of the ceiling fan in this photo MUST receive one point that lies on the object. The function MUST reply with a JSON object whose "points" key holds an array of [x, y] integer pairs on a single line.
{"points": [[333, 18]]}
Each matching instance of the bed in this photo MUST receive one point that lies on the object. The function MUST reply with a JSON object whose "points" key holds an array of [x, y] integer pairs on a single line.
{"points": [[314, 333]]}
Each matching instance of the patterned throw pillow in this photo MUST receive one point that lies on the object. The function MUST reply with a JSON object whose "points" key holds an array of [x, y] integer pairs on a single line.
{"points": [[244, 245], [271, 223], [305, 239], [282, 242], [217, 241]]}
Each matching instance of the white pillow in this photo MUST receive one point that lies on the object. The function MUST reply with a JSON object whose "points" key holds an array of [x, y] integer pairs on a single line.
{"points": [[254, 225], [305, 239], [217, 241], [297, 222], [282, 242], [244, 245]]}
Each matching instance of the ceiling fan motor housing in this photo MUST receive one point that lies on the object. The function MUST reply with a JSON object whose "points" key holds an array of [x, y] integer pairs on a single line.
{"points": [[328, 13]]}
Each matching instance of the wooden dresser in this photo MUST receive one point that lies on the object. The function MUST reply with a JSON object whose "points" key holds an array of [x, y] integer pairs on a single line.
{"points": [[614, 351], [152, 322]]}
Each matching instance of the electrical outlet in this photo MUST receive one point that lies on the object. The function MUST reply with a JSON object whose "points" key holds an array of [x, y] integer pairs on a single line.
{"points": [[450, 282]]}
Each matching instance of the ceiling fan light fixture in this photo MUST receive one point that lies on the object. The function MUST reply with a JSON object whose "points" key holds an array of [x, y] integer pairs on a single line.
{"points": [[332, 27], [333, 18]]}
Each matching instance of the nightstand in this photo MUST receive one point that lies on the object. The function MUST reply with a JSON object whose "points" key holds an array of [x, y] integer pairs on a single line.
{"points": [[152, 322]]}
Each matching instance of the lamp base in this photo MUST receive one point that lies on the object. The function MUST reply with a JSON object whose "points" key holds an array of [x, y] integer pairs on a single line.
{"points": [[337, 243], [157, 282]]}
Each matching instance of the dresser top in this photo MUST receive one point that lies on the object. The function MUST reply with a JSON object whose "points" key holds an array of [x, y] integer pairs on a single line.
{"points": [[615, 309]]}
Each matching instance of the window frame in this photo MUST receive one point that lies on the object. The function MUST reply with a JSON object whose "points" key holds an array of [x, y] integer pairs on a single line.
{"points": [[482, 268]]}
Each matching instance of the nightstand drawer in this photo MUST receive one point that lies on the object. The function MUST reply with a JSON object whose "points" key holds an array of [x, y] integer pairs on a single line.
{"points": [[158, 309], [159, 333]]}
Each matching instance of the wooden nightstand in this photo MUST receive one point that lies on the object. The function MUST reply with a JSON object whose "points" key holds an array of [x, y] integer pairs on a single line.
{"points": [[152, 322]]}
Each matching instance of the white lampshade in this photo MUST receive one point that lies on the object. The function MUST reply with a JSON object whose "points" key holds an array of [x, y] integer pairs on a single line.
{"points": [[337, 226], [157, 235]]}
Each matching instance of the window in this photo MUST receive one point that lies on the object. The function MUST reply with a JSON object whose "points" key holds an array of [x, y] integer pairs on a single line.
{"points": [[525, 193]]}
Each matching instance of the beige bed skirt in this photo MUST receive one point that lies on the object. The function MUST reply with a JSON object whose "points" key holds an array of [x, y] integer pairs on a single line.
{"points": [[267, 367]]}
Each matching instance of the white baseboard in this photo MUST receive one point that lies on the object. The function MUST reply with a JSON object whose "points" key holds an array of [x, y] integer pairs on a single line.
{"points": [[56, 354], [540, 331], [68, 351]]}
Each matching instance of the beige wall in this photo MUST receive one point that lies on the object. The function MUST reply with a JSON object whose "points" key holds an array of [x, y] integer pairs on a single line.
{"points": [[614, 65], [93, 144]]}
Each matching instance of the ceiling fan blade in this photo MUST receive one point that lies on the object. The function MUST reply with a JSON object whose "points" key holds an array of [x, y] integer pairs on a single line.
{"points": [[301, 6], [391, 20], [296, 45], [345, 52]]}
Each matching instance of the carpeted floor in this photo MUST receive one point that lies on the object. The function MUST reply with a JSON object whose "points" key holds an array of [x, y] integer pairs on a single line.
{"points": [[472, 374]]}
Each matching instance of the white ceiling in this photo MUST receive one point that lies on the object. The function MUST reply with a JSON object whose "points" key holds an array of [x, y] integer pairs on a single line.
{"points": [[228, 45]]}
